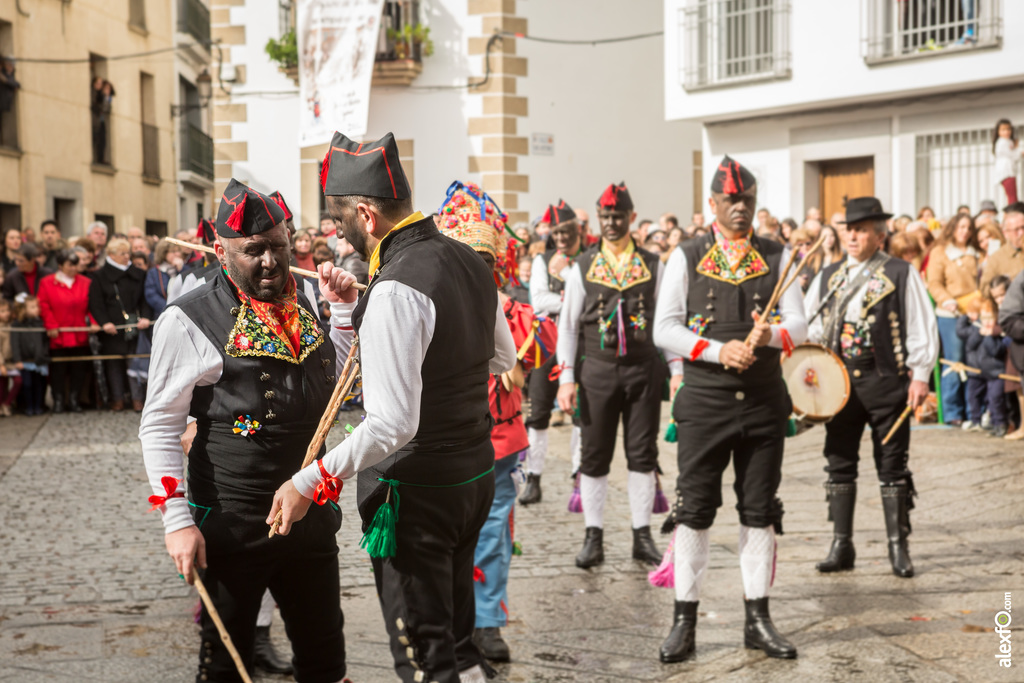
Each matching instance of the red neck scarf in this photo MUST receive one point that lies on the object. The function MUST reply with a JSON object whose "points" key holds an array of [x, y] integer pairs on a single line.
{"points": [[282, 318]]}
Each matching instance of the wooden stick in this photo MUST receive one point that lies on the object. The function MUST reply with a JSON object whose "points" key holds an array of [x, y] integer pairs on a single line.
{"points": [[298, 271], [780, 290], [73, 359], [346, 379], [224, 636], [957, 367], [899, 422]]}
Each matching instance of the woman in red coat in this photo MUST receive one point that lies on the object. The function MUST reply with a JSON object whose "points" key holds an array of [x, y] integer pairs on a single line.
{"points": [[64, 302]]}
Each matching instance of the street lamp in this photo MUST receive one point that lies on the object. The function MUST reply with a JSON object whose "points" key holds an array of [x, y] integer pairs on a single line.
{"points": [[204, 84]]}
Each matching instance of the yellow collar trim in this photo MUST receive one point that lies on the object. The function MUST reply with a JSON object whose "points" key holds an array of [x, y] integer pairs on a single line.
{"points": [[406, 222], [618, 262]]}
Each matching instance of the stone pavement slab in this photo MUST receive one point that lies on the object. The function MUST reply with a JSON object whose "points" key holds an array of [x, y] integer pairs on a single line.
{"points": [[87, 592]]}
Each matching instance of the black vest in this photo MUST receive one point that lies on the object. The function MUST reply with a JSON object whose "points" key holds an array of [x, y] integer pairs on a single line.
{"points": [[883, 315], [454, 409], [723, 308], [287, 398], [555, 284], [601, 302]]}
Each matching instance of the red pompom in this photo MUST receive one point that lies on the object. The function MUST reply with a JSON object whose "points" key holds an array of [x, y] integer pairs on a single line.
{"points": [[325, 168], [234, 221], [610, 197]]}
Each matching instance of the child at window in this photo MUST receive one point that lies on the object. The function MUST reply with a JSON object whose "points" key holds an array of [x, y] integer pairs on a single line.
{"points": [[31, 351], [1007, 153]]}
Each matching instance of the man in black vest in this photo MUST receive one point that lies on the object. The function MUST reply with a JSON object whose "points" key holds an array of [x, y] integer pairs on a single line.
{"points": [[610, 293], [245, 355], [874, 311], [733, 404], [430, 334], [547, 280]]}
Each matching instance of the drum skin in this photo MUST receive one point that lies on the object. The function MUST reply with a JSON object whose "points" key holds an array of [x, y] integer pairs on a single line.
{"points": [[817, 381]]}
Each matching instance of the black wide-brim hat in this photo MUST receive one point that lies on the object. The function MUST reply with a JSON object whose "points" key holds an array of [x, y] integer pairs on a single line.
{"points": [[863, 209]]}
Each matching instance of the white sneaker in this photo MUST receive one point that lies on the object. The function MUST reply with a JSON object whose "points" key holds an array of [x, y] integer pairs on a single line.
{"points": [[986, 420], [968, 425]]}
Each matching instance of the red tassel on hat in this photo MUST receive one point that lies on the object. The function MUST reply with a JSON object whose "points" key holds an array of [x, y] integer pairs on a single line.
{"points": [[200, 233], [729, 183], [280, 202], [548, 217], [325, 168], [610, 197], [234, 221]]}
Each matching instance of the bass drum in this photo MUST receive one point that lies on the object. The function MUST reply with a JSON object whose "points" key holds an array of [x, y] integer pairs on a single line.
{"points": [[817, 381]]}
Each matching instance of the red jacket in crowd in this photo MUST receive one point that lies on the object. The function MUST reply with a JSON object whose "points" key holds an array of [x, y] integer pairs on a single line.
{"points": [[64, 306]]}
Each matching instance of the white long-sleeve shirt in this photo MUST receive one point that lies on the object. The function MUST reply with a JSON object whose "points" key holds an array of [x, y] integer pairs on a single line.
{"points": [[922, 331], [1007, 158], [672, 333], [543, 300], [182, 359], [394, 335], [569, 322]]}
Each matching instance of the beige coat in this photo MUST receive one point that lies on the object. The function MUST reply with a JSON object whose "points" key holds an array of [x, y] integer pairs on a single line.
{"points": [[1008, 261], [952, 273]]}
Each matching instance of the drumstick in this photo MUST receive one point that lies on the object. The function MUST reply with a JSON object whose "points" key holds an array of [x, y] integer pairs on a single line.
{"points": [[781, 288], [958, 367], [224, 636], [345, 381], [903, 417], [298, 271]]}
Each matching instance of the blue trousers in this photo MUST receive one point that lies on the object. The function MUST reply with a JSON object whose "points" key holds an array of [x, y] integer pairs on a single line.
{"points": [[494, 549], [981, 391], [953, 403]]}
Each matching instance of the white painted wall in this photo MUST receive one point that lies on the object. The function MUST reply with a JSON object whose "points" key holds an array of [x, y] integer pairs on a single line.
{"points": [[829, 69]]}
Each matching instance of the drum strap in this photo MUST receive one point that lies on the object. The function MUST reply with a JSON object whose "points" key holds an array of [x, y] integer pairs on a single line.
{"points": [[846, 292]]}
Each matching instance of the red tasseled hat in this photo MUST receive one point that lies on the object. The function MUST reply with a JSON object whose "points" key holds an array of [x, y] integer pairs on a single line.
{"points": [[245, 212], [616, 198], [732, 177], [557, 214]]}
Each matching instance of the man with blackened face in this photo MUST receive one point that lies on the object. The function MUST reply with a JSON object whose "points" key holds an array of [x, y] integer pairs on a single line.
{"points": [[733, 406], [610, 295]]}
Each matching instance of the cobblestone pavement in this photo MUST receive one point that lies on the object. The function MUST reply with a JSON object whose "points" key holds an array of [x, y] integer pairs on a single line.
{"points": [[87, 592]]}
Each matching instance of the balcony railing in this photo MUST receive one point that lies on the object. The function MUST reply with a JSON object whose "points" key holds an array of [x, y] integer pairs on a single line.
{"points": [[729, 42], [196, 151], [194, 19], [906, 29], [150, 151], [396, 15]]}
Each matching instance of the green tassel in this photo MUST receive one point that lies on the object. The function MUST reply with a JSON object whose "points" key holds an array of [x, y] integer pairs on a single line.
{"points": [[671, 433], [791, 427], [517, 548], [380, 539]]}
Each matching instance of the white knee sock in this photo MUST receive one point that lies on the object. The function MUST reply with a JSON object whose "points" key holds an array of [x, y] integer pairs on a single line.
{"points": [[692, 552], [575, 449], [538, 450], [266, 613], [641, 487], [593, 492], [757, 560]]}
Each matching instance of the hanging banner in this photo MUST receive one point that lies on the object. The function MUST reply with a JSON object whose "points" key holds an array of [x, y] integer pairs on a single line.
{"points": [[337, 44]]}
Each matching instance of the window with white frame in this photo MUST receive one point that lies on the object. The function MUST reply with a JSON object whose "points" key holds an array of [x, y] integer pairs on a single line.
{"points": [[726, 42], [957, 168], [904, 29]]}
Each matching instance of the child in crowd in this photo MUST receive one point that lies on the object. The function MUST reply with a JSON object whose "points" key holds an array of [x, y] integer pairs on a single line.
{"points": [[985, 351], [10, 376], [1007, 153], [31, 351]]}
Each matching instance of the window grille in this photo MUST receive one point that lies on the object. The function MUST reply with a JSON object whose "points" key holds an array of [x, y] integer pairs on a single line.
{"points": [[905, 29], [726, 42], [957, 168]]}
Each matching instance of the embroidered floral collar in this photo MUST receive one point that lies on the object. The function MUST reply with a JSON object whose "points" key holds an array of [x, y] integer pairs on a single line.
{"points": [[618, 271], [718, 264]]}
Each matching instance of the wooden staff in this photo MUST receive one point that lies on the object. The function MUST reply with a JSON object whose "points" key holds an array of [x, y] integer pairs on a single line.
{"points": [[298, 271], [346, 379], [899, 422], [73, 359], [224, 636], [960, 367], [781, 287]]}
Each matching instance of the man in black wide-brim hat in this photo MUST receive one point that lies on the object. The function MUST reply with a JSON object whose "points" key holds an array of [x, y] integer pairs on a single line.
{"points": [[875, 314]]}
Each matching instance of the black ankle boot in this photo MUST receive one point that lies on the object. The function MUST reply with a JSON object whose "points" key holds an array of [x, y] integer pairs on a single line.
{"points": [[680, 644], [593, 548], [895, 505], [73, 404], [265, 656], [842, 499], [58, 405], [531, 494], [760, 633], [491, 644], [644, 548]]}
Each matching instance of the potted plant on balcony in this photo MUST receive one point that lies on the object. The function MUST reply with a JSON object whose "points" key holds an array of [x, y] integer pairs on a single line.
{"points": [[286, 53], [411, 42]]}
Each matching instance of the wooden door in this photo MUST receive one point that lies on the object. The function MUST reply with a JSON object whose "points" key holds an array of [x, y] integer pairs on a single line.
{"points": [[844, 179]]}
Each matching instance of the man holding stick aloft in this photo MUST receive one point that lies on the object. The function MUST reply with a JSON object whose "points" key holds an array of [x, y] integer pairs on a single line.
{"points": [[874, 313], [247, 357], [431, 331], [733, 404]]}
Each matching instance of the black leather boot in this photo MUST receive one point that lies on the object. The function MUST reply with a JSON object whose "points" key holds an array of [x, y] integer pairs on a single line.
{"points": [[644, 548], [895, 505], [265, 656], [490, 643], [58, 405], [680, 644], [842, 498], [593, 548], [760, 633], [531, 494]]}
